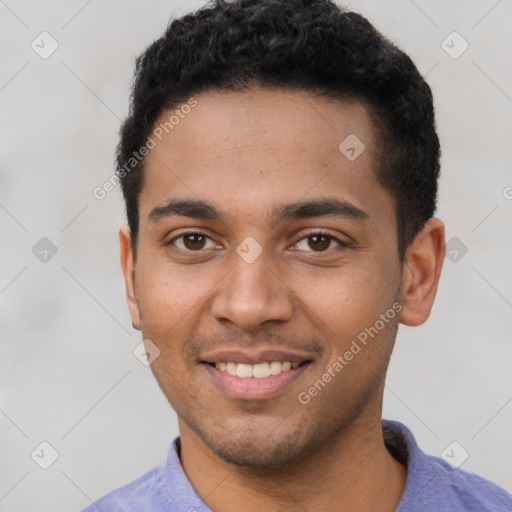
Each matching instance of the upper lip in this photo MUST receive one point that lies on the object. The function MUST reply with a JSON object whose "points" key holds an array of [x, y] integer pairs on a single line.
{"points": [[254, 356]]}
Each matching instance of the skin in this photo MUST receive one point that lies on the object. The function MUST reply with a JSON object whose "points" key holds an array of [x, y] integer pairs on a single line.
{"points": [[247, 153]]}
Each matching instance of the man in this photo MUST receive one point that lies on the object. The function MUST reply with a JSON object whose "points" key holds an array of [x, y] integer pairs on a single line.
{"points": [[279, 167]]}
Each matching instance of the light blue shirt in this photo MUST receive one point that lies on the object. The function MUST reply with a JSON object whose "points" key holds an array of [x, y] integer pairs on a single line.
{"points": [[432, 485]]}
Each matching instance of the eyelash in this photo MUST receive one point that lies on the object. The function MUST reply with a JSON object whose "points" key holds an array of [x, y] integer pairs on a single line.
{"points": [[314, 233]]}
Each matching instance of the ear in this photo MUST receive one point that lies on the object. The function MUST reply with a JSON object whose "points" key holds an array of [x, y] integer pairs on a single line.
{"points": [[421, 271], [128, 266]]}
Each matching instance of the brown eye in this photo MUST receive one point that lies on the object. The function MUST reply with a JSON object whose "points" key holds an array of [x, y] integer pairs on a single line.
{"points": [[194, 241], [191, 242], [318, 242]]}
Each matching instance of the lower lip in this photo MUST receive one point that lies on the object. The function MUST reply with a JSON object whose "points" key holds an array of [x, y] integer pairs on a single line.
{"points": [[251, 387]]}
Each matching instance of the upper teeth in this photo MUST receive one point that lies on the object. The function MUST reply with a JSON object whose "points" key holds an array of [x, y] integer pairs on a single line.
{"points": [[255, 370]]}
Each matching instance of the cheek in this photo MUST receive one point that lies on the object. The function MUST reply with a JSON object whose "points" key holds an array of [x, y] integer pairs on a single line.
{"points": [[162, 303], [171, 302], [163, 291], [345, 300]]}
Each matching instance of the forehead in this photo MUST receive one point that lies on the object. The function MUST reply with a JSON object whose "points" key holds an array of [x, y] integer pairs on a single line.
{"points": [[258, 148], [277, 119]]}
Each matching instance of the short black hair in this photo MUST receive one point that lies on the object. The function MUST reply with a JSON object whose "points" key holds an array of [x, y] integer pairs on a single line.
{"points": [[310, 45]]}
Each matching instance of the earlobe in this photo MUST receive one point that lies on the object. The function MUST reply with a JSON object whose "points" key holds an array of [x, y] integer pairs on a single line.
{"points": [[128, 268], [421, 272]]}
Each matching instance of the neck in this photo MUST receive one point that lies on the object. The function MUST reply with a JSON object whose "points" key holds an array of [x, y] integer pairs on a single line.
{"points": [[354, 470]]}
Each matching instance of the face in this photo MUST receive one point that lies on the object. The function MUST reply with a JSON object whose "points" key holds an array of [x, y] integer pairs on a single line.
{"points": [[264, 250]]}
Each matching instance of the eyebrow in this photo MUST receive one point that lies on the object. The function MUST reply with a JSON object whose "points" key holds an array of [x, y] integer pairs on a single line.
{"points": [[203, 210]]}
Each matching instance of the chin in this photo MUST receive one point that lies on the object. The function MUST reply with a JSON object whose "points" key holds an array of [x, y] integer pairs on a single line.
{"points": [[260, 448], [258, 455]]}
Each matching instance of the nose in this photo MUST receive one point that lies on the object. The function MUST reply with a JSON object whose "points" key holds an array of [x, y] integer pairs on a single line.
{"points": [[252, 294]]}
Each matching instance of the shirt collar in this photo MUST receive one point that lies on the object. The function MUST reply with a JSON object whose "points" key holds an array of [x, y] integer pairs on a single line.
{"points": [[398, 439]]}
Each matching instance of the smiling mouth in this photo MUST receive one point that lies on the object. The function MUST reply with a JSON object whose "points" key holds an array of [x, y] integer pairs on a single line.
{"points": [[257, 371], [260, 381]]}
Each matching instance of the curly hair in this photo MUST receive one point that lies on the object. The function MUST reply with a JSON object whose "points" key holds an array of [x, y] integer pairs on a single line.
{"points": [[310, 45]]}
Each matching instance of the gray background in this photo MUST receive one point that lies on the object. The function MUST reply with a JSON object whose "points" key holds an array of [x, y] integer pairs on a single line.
{"points": [[67, 372]]}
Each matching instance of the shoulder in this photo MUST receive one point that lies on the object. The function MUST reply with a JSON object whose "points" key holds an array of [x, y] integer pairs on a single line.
{"points": [[147, 489], [164, 488], [468, 491], [434, 484]]}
